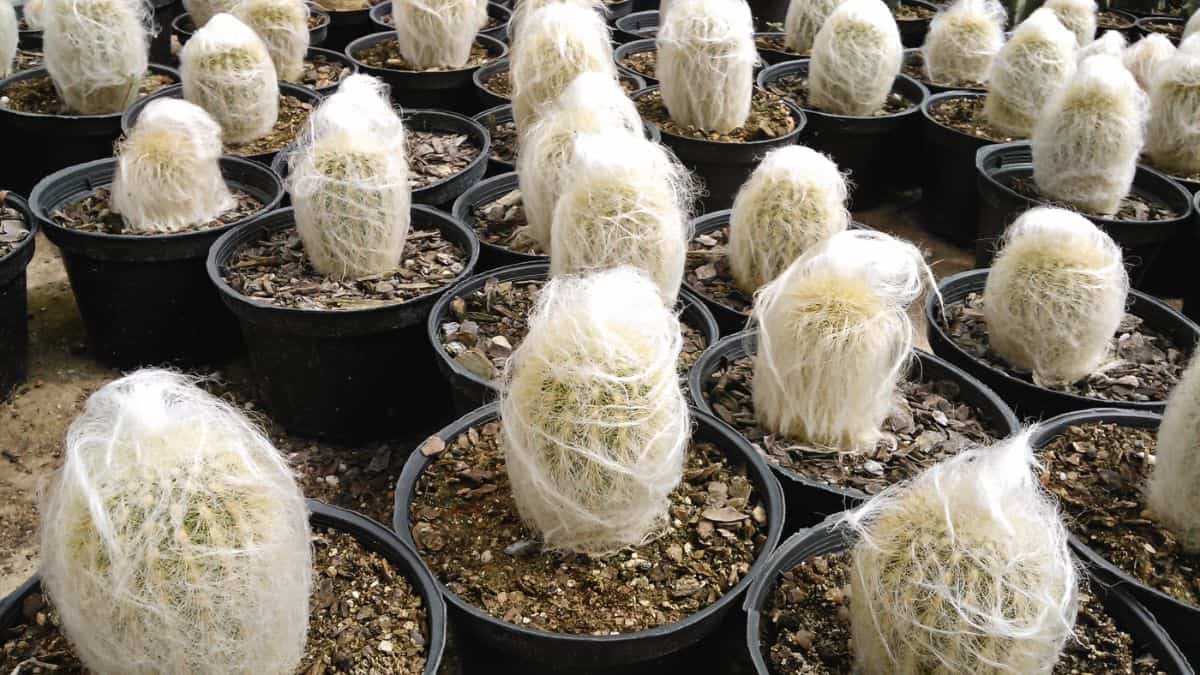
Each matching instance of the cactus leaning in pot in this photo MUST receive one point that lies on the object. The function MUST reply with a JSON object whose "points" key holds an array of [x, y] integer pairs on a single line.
{"points": [[171, 534], [962, 41], [804, 19], [1055, 296], [283, 27], [228, 71], [1079, 16], [964, 569], [855, 59], [349, 183], [8, 37], [201, 11], [437, 33], [96, 52], [1037, 60], [1173, 490], [795, 199], [1143, 57], [1173, 136], [595, 427], [167, 175]]}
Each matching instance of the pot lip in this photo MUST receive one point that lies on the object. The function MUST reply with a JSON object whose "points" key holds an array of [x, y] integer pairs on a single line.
{"points": [[771, 70], [798, 116], [155, 68], [497, 66], [634, 46], [1142, 21], [930, 100], [460, 210], [24, 248], [307, 94], [1132, 20], [971, 278], [632, 17], [177, 27], [495, 47], [733, 446]]}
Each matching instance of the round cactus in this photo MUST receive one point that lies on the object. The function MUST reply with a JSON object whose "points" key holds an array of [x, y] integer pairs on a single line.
{"points": [[96, 52], [1079, 16], [804, 19], [283, 26], [1173, 135], [1037, 60], [228, 71], [437, 33], [962, 41], [855, 59]]}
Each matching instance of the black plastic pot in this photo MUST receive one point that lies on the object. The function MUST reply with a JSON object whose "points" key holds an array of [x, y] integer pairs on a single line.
{"points": [[564, 652], [636, 26], [912, 31], [729, 319], [27, 39], [1191, 296], [346, 27], [164, 13], [488, 119], [999, 206], [879, 152], [145, 299], [1179, 619], [722, 166], [635, 47], [1028, 399], [827, 537], [381, 16], [914, 56], [346, 375], [949, 189], [618, 9], [808, 500], [330, 56], [1145, 29], [39, 145], [767, 12], [772, 56], [486, 191], [183, 27], [441, 89], [305, 94], [14, 307], [1127, 25], [369, 534]]}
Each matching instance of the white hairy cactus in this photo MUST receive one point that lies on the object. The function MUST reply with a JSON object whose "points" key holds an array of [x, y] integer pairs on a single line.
{"points": [[437, 33], [1111, 43], [1079, 16], [348, 179], [964, 569], [804, 19], [201, 11], [96, 52], [524, 8], [558, 43], [795, 198], [1192, 26], [283, 26], [706, 57], [9, 33], [855, 59], [834, 338], [168, 174], [625, 202], [592, 102], [1088, 137], [1143, 57], [1173, 134], [175, 538], [1037, 60], [227, 70], [595, 427], [1173, 490], [1055, 296], [962, 41], [32, 11]]}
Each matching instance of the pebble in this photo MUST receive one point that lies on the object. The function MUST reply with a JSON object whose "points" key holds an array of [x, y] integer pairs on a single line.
{"points": [[331, 480]]}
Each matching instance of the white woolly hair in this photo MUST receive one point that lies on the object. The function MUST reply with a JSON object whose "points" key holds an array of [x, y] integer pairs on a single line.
{"points": [[227, 70], [558, 43], [595, 426], [1055, 295], [1173, 490], [1173, 135], [592, 102], [964, 569], [1143, 57], [625, 202], [523, 9], [834, 338], [1111, 43], [1037, 60], [348, 178], [96, 52], [1192, 26], [855, 59], [706, 57], [1087, 140], [804, 19], [1079, 16], [175, 538], [283, 27], [795, 199], [9, 32], [32, 11], [962, 41], [438, 33], [201, 11], [167, 175]]}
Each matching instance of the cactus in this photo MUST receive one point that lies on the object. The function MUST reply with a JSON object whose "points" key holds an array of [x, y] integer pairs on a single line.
{"points": [[1143, 58], [804, 19], [1192, 26], [1111, 43], [524, 8], [706, 58], [283, 27], [32, 11], [1079, 16], [228, 71], [1037, 60], [1173, 134], [855, 59], [1173, 491], [202, 10], [962, 41], [437, 33], [96, 52], [9, 32]]}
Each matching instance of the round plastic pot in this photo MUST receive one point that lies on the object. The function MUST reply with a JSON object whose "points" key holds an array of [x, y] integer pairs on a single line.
{"points": [[1127, 27], [369, 534], [440, 89], [488, 119], [635, 47], [729, 319], [563, 652], [381, 16], [1144, 28], [487, 191], [487, 98], [645, 6], [1130, 615], [1179, 618], [39, 145], [912, 31], [636, 26], [330, 56], [145, 299], [164, 13], [346, 375], [14, 312], [305, 94], [879, 152], [767, 12], [949, 189], [723, 166], [999, 206], [1028, 399], [27, 39], [808, 500], [618, 9], [773, 56], [346, 27], [1191, 296], [913, 55], [470, 390], [183, 27]]}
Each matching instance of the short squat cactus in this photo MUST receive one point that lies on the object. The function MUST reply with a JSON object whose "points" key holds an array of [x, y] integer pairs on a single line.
{"points": [[706, 58], [172, 531], [1173, 134], [227, 70], [1079, 16], [962, 41], [804, 19], [1111, 43], [437, 33], [1173, 492], [855, 60], [283, 27], [594, 424], [1055, 296], [965, 569], [96, 52], [1037, 60], [1143, 58], [795, 199]]}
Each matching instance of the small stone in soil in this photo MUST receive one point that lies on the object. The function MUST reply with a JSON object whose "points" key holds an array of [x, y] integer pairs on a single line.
{"points": [[795, 89], [437, 155], [93, 213], [386, 54], [1134, 206], [708, 273], [293, 113], [38, 94], [769, 118]]}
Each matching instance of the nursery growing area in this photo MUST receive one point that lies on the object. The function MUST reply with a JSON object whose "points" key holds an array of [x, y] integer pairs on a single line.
{"points": [[599, 336]]}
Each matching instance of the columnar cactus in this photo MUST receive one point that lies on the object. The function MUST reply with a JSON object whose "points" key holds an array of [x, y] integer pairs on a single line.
{"points": [[1143, 57], [437, 33], [1055, 296], [201, 11], [1079, 16], [594, 424], [1111, 43], [8, 37], [172, 531], [96, 52], [1037, 60], [1173, 135], [227, 70], [524, 8], [706, 58], [1173, 491], [804, 19], [283, 26], [855, 59], [962, 41]]}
